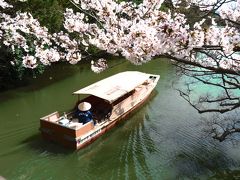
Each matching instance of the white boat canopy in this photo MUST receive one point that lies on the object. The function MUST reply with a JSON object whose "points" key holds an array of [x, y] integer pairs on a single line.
{"points": [[115, 86]]}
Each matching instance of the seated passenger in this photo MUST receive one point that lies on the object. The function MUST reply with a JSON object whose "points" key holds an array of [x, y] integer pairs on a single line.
{"points": [[83, 113]]}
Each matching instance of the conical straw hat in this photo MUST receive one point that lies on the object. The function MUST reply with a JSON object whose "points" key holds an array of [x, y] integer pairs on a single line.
{"points": [[84, 106]]}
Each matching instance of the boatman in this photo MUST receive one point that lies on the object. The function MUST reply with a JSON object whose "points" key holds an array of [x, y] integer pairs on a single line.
{"points": [[83, 113]]}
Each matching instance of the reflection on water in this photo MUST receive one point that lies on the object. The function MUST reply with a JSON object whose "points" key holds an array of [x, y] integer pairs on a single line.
{"points": [[162, 140]]}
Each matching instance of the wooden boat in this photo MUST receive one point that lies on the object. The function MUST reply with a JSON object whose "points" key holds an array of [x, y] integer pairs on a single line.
{"points": [[111, 99]]}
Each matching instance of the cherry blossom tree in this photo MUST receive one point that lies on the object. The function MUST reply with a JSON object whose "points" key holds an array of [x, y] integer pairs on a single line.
{"points": [[142, 32], [31, 44], [137, 32]]}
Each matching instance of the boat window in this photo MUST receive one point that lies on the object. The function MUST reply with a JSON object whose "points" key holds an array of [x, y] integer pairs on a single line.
{"points": [[152, 78]]}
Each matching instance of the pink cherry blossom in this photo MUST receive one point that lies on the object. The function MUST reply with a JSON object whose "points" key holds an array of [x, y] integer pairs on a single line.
{"points": [[137, 32]]}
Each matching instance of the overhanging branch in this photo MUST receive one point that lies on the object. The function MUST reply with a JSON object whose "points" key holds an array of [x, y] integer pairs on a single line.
{"points": [[196, 64]]}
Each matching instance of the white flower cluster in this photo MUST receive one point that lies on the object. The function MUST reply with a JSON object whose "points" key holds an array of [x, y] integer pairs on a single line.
{"points": [[140, 32], [33, 44], [70, 48], [231, 12], [99, 66], [137, 32], [4, 4], [16, 32]]}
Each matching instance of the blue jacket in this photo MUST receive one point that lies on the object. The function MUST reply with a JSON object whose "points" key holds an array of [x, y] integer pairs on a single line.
{"points": [[84, 116]]}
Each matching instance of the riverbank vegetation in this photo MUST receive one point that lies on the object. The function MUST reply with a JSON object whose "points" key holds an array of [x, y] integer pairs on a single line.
{"points": [[201, 38]]}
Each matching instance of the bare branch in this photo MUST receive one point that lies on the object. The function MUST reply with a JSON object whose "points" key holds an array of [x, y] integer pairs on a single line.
{"points": [[196, 64]]}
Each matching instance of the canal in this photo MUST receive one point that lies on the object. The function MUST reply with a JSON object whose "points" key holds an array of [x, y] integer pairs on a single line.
{"points": [[162, 140]]}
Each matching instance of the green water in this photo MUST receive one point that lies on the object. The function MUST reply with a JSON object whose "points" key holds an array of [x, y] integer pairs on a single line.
{"points": [[162, 140]]}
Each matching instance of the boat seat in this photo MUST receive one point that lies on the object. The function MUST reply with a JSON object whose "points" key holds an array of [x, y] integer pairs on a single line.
{"points": [[53, 117], [75, 125], [74, 120]]}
